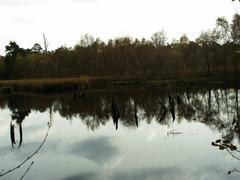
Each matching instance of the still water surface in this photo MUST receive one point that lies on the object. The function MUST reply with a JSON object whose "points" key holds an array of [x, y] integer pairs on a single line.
{"points": [[158, 135]]}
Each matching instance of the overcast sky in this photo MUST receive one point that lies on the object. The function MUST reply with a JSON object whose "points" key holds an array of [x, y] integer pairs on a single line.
{"points": [[65, 21]]}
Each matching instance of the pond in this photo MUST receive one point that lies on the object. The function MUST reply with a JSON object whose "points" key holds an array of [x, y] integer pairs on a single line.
{"points": [[121, 135]]}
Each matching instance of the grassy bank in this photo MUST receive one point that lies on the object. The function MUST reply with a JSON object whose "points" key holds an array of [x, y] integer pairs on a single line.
{"points": [[95, 83]]}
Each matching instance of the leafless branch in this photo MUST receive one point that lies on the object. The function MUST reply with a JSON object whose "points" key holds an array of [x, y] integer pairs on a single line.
{"points": [[234, 170], [27, 170], [1, 171], [232, 154]]}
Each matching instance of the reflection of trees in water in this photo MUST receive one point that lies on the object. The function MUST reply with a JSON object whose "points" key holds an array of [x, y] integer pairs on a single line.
{"points": [[115, 112], [217, 108], [20, 110], [214, 107], [5, 172], [18, 115]]}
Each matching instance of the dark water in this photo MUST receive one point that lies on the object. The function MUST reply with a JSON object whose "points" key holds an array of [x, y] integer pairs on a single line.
{"points": [[128, 134]]}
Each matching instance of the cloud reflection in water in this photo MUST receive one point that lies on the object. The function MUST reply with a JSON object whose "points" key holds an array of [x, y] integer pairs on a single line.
{"points": [[100, 150]]}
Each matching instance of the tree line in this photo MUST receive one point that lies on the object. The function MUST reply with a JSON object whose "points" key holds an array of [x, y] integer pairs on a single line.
{"points": [[214, 52]]}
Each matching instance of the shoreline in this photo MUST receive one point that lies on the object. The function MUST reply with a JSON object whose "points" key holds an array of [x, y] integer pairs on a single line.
{"points": [[97, 83]]}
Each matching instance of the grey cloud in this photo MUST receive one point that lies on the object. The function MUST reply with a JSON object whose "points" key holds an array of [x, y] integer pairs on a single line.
{"points": [[172, 173], [176, 173], [138, 174], [84, 176], [214, 173], [27, 149], [99, 150], [32, 129]]}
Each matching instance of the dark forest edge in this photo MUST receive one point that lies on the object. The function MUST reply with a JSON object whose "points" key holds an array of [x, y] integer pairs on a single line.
{"points": [[213, 58]]}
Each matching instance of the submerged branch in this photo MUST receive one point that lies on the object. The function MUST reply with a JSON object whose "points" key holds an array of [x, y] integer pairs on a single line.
{"points": [[232, 154], [27, 170], [234, 170], [1, 171]]}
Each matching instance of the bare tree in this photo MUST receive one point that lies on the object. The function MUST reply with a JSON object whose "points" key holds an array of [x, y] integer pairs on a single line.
{"points": [[46, 44], [159, 38], [224, 36], [223, 30]]}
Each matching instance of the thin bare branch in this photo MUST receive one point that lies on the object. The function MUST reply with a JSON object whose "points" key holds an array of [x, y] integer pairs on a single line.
{"points": [[232, 154], [234, 170], [1, 171], [27, 170]]}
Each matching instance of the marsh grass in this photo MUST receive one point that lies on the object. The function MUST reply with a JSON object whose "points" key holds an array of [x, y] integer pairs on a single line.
{"points": [[93, 83]]}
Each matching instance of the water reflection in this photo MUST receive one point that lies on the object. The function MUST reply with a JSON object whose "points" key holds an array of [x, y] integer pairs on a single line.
{"points": [[179, 113], [100, 150], [84, 176], [217, 108], [27, 159], [173, 173], [17, 117], [214, 107], [115, 112]]}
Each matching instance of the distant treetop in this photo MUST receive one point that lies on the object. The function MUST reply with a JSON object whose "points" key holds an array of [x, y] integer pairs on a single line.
{"points": [[36, 48]]}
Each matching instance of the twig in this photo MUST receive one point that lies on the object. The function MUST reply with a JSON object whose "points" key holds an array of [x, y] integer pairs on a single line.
{"points": [[29, 157], [232, 154], [1, 171], [237, 150], [27, 170], [234, 170]]}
